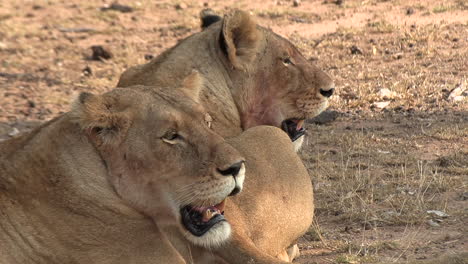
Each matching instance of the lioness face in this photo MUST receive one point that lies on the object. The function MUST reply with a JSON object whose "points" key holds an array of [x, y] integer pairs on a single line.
{"points": [[165, 161], [276, 85], [294, 88]]}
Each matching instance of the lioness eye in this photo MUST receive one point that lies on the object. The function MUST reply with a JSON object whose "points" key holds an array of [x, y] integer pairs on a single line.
{"points": [[287, 61], [170, 137]]}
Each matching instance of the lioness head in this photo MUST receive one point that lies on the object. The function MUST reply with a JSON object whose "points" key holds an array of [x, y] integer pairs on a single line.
{"points": [[282, 87], [162, 157]]}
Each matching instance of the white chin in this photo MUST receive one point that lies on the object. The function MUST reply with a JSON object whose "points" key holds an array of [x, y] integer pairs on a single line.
{"points": [[298, 143], [215, 237]]}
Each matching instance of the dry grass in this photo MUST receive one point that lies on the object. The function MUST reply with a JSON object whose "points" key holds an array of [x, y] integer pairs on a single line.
{"points": [[372, 176]]}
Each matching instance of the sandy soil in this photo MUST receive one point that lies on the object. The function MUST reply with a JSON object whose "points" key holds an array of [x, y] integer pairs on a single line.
{"points": [[378, 161]]}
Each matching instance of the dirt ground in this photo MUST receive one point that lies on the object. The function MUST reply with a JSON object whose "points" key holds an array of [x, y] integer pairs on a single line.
{"points": [[392, 146]]}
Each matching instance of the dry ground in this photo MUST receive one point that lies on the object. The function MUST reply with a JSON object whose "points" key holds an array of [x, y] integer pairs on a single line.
{"points": [[377, 168]]}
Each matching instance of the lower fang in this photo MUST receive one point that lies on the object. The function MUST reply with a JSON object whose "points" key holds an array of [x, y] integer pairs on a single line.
{"points": [[208, 214], [300, 123]]}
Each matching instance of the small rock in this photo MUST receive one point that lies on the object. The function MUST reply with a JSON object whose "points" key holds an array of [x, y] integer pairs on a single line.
{"points": [[355, 50], [118, 7], [385, 93], [437, 213], [149, 57], [381, 105], [181, 6], [338, 2], [99, 53], [3, 45], [14, 132], [409, 11], [87, 71], [296, 3], [325, 117], [31, 104], [432, 223]]}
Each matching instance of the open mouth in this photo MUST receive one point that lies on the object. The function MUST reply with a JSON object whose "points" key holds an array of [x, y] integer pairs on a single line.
{"points": [[199, 219], [294, 128]]}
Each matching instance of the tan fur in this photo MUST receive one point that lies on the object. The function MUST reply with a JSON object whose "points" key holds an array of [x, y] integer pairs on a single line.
{"points": [[247, 84], [101, 184], [276, 205]]}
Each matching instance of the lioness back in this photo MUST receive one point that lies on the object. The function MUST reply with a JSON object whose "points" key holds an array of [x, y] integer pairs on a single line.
{"points": [[267, 205]]}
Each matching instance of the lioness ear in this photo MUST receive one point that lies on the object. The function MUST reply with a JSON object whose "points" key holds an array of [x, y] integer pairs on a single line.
{"points": [[192, 85], [240, 37], [98, 116]]}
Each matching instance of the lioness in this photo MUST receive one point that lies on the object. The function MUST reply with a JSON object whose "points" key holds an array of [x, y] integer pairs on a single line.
{"points": [[121, 178], [254, 77]]}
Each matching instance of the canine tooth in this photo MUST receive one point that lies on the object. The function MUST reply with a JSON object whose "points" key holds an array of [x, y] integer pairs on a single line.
{"points": [[300, 123], [221, 205], [208, 214]]}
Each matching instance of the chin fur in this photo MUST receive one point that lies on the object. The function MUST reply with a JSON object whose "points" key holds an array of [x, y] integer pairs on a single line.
{"points": [[298, 143], [215, 237]]}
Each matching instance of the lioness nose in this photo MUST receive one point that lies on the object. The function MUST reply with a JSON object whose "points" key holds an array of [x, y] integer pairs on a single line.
{"points": [[327, 93], [233, 170]]}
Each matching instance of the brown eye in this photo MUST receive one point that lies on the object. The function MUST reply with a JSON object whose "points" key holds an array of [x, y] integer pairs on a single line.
{"points": [[287, 61], [171, 137]]}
